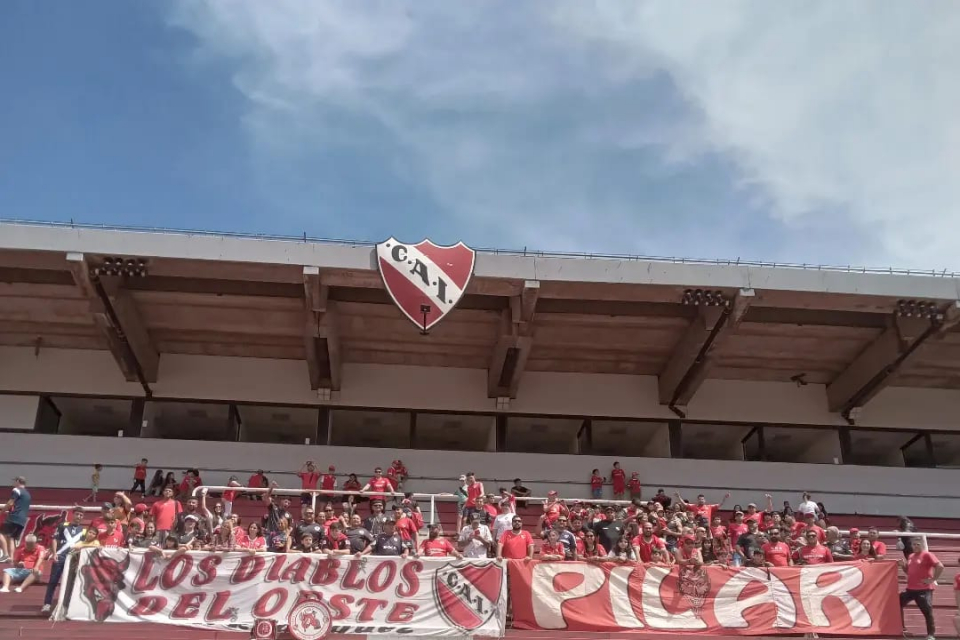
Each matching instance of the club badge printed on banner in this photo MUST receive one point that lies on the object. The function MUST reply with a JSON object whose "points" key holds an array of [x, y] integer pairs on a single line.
{"points": [[425, 280]]}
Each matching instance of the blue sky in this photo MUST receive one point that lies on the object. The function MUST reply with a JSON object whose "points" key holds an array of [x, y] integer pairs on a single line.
{"points": [[806, 132]]}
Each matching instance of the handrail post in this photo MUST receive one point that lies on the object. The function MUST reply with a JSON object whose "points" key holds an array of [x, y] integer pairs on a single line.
{"points": [[313, 501], [433, 510]]}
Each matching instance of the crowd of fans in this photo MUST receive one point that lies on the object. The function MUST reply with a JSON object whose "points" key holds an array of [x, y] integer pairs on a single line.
{"points": [[364, 520]]}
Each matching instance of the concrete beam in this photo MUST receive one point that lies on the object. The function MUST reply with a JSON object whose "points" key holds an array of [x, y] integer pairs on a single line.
{"points": [[879, 363], [510, 354], [321, 336], [690, 361], [116, 316]]}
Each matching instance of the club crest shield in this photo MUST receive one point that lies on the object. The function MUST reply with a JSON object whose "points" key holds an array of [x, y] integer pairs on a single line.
{"points": [[468, 594], [425, 280]]}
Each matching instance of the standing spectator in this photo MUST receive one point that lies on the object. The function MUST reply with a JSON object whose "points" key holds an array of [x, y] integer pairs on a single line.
{"points": [[812, 552], [94, 483], [461, 494], [191, 509], [906, 525], [352, 485], [503, 522], [378, 486], [566, 537], [922, 569], [807, 505], [552, 549], [388, 543], [309, 526], [703, 511], [553, 509], [112, 535], [407, 528], [374, 524], [397, 475], [435, 546], [775, 551], [596, 484], [257, 481], [308, 481], [644, 544], [509, 499], [838, 548], [811, 525], [358, 537], [519, 491], [634, 486], [328, 482], [17, 508], [140, 477], [230, 495], [619, 480], [191, 480], [717, 530], [873, 535], [475, 538], [748, 544], [28, 564], [663, 499], [688, 554], [156, 484], [277, 509], [610, 529], [68, 534], [474, 490], [165, 511], [515, 543]]}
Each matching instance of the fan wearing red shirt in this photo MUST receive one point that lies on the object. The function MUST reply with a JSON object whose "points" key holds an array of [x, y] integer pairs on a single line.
{"points": [[553, 509], [308, 480], [474, 490], [701, 509], [552, 549], [112, 536], [922, 569], [27, 563], [257, 481], [619, 480], [596, 484], [164, 512], [646, 542], [517, 544], [140, 477], [813, 552], [328, 482], [435, 546], [880, 548], [406, 527], [378, 486], [776, 552], [397, 474], [634, 485], [717, 530]]}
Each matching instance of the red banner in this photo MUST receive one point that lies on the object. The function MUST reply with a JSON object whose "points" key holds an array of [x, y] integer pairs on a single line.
{"points": [[840, 598]]}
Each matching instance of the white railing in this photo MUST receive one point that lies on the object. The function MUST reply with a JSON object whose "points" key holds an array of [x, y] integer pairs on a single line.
{"points": [[73, 507], [433, 497]]}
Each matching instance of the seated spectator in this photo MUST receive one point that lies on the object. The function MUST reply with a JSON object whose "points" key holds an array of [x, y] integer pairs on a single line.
{"points": [[351, 485], [388, 543], [661, 557], [358, 536], [475, 539], [27, 566], [553, 508], [663, 499], [552, 549], [257, 481], [435, 546], [229, 496], [156, 484], [515, 543], [191, 480], [592, 550], [397, 475]]}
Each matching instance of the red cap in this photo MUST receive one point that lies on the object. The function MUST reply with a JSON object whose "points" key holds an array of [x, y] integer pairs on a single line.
{"points": [[854, 531], [688, 539], [331, 468], [550, 494], [140, 508]]}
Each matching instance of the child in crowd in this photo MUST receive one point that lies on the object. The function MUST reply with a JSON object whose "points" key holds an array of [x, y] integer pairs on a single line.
{"points": [[94, 484]]}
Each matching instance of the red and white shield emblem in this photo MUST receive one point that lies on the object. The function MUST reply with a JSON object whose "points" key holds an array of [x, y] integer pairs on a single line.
{"points": [[468, 595], [424, 279]]}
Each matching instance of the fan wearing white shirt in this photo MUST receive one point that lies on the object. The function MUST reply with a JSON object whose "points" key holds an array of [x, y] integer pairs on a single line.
{"points": [[808, 506], [475, 539]]}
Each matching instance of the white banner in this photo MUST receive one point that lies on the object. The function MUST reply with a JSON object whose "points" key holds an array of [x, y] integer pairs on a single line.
{"points": [[370, 595]]}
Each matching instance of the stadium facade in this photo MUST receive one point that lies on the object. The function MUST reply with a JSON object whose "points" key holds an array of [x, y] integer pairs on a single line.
{"points": [[232, 353]]}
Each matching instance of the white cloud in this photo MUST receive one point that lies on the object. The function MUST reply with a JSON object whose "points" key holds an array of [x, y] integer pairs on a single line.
{"points": [[519, 117]]}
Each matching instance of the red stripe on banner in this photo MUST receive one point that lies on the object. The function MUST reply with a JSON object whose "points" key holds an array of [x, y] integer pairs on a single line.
{"points": [[457, 609], [456, 262], [851, 598], [407, 295]]}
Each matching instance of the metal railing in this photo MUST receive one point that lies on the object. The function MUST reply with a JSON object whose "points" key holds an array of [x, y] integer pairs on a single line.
{"points": [[942, 273]]}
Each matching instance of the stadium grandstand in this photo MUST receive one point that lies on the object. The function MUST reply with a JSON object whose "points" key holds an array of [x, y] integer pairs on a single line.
{"points": [[200, 383]]}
